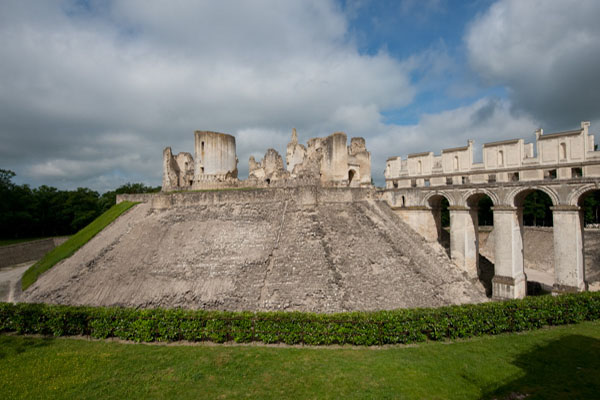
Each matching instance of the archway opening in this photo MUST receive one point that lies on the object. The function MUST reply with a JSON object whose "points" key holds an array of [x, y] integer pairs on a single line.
{"points": [[483, 221], [537, 237], [590, 211], [441, 215]]}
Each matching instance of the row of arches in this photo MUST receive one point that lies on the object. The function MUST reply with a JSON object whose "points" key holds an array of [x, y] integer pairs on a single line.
{"points": [[507, 276]]}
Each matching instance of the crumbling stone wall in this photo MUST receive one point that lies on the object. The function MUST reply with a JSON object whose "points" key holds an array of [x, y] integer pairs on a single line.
{"points": [[325, 161]]}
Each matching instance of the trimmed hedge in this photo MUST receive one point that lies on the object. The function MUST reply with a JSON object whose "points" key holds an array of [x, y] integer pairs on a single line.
{"points": [[357, 328]]}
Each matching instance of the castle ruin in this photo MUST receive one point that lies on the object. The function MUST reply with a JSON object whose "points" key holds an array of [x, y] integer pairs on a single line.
{"points": [[324, 161]]}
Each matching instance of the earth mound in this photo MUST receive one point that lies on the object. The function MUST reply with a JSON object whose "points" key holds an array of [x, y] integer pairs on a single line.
{"points": [[259, 255]]}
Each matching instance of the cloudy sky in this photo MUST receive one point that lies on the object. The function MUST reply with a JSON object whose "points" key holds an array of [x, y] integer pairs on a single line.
{"points": [[92, 91]]}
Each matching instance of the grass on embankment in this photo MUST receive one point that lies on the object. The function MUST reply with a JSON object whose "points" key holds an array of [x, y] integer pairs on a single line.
{"points": [[69, 247], [556, 363]]}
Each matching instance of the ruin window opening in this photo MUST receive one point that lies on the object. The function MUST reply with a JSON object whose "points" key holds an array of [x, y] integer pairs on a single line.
{"points": [[492, 178], [395, 184], [576, 172], [268, 181], [403, 201], [549, 174], [350, 176], [464, 179], [449, 181], [514, 177], [563, 151], [413, 183]]}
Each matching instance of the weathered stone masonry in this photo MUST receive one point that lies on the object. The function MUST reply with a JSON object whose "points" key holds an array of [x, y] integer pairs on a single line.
{"points": [[324, 161], [566, 168]]}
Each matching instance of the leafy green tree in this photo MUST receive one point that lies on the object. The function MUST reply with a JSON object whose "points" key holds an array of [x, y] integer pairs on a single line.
{"points": [[536, 209], [591, 208]]}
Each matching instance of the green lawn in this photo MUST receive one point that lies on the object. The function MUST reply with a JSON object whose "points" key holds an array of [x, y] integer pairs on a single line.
{"points": [[74, 243], [557, 363]]}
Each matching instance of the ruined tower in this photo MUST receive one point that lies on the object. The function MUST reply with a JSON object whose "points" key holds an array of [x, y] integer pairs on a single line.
{"points": [[214, 155]]}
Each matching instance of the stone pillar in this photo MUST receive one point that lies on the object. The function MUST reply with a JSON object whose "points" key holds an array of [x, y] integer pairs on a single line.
{"points": [[509, 280], [569, 272], [464, 238]]}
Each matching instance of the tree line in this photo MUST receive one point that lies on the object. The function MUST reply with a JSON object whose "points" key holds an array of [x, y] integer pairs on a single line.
{"points": [[48, 211]]}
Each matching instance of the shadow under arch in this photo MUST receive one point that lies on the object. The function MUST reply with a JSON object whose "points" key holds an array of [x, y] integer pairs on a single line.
{"points": [[566, 368], [588, 200], [439, 203], [476, 200]]}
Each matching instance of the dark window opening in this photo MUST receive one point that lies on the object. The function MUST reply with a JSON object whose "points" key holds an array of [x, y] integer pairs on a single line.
{"points": [[268, 181], [492, 178], [403, 201], [549, 174], [449, 181], [464, 179], [413, 183], [514, 177], [350, 176], [395, 184], [576, 173]]}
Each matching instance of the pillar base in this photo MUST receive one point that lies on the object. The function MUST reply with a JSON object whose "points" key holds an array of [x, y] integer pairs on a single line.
{"points": [[556, 288], [508, 288]]}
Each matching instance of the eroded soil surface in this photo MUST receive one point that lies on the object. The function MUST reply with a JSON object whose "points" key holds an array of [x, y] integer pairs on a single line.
{"points": [[259, 256]]}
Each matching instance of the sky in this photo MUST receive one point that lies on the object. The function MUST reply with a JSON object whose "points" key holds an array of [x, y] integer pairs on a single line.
{"points": [[91, 92]]}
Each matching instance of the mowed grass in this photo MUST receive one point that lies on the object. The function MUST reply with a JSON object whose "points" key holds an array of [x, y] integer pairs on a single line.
{"points": [[557, 363], [74, 243]]}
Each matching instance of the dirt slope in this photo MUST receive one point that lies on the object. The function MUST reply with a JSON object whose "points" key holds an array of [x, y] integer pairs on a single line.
{"points": [[258, 256]]}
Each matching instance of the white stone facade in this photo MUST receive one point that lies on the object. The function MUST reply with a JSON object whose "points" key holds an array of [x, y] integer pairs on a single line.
{"points": [[562, 155]]}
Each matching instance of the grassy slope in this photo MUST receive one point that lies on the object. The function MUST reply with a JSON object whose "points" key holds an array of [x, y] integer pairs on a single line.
{"points": [[556, 363], [74, 243]]}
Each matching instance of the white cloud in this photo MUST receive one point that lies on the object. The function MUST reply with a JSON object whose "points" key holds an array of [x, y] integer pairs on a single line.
{"points": [[546, 52], [74, 79], [486, 120]]}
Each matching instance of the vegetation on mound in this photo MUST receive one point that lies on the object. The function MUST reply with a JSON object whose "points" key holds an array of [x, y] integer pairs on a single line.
{"points": [[358, 328], [46, 211], [558, 363], [69, 247]]}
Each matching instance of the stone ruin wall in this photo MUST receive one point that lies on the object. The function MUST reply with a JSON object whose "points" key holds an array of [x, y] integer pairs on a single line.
{"points": [[325, 162], [561, 155]]}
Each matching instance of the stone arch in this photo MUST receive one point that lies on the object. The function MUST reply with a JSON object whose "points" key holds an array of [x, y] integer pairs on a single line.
{"points": [[576, 195], [519, 191], [446, 195], [492, 195]]}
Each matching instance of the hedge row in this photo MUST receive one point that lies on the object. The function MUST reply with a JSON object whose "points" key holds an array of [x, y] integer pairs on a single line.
{"points": [[358, 328]]}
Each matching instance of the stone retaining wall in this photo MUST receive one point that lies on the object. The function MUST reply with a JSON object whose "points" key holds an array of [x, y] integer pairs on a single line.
{"points": [[28, 251], [305, 195]]}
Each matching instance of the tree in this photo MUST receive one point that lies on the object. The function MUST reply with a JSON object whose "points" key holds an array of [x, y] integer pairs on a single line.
{"points": [[536, 209]]}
